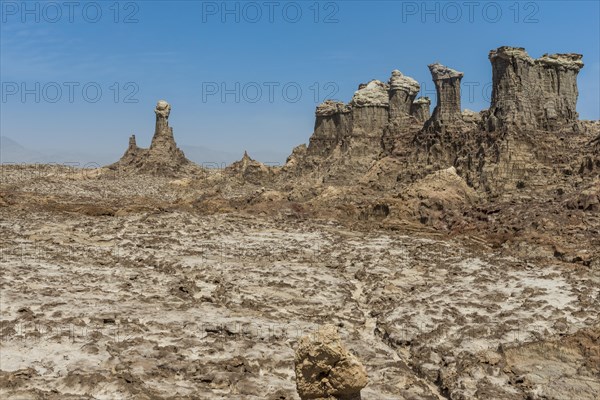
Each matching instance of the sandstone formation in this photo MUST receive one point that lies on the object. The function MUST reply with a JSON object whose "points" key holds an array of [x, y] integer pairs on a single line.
{"points": [[326, 370], [370, 114], [402, 93], [385, 139], [132, 153], [348, 138], [532, 93], [333, 125], [163, 147], [163, 157]]}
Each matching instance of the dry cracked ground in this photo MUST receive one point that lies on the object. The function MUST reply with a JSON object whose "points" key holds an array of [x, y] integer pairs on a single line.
{"points": [[175, 303]]}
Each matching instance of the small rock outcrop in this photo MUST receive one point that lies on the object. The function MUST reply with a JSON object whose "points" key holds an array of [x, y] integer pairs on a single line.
{"points": [[163, 157], [447, 86], [532, 93], [249, 170], [326, 370], [132, 152], [163, 149], [372, 94]]}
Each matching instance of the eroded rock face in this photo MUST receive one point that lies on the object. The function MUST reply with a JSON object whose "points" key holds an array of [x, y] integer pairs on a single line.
{"points": [[370, 115], [132, 152], [385, 120], [447, 86], [331, 107], [420, 109], [333, 123], [349, 137], [402, 93], [326, 370], [132, 143], [532, 93], [372, 94]]}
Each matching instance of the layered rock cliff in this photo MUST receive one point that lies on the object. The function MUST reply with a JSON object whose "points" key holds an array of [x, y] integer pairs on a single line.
{"points": [[528, 141], [532, 93], [348, 138]]}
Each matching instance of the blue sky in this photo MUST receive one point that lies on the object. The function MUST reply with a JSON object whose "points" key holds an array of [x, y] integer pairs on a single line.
{"points": [[186, 52]]}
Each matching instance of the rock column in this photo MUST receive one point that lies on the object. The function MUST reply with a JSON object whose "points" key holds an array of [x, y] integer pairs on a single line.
{"points": [[403, 91], [447, 86], [333, 123], [420, 109], [532, 94]]}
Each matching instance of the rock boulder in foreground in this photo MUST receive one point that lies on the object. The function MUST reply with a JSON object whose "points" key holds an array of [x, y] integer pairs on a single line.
{"points": [[325, 369]]}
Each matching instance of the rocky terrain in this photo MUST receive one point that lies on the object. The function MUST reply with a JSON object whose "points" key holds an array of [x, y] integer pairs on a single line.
{"points": [[401, 254]]}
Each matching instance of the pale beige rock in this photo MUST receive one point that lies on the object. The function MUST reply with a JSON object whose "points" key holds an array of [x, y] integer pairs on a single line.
{"points": [[403, 90], [331, 107], [325, 369], [374, 93], [249, 170], [420, 109]]}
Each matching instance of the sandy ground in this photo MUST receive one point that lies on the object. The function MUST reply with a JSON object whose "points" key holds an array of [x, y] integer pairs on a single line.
{"points": [[178, 304]]}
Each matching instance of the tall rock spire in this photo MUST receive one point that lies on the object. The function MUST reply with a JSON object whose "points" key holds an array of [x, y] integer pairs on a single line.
{"points": [[447, 86], [163, 134], [163, 157]]}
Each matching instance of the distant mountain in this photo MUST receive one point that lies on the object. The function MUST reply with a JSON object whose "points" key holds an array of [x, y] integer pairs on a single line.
{"points": [[13, 152]]}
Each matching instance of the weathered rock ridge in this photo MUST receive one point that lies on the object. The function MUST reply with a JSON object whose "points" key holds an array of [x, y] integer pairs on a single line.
{"points": [[249, 170], [385, 136], [348, 138]]}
